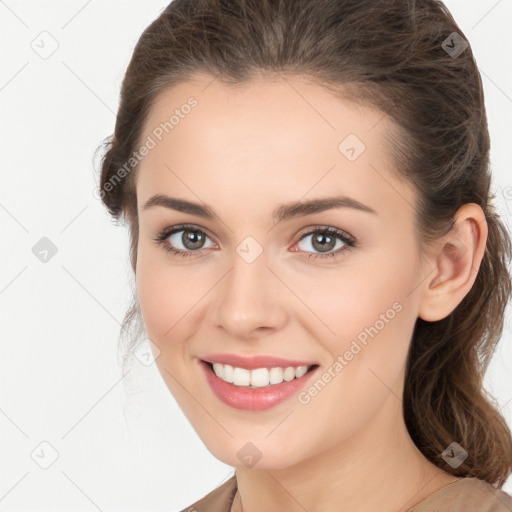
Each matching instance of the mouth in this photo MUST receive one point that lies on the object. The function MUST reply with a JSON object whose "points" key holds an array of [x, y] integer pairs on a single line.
{"points": [[255, 389], [262, 377]]}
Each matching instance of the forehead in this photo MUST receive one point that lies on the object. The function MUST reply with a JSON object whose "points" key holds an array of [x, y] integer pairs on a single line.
{"points": [[287, 134], [292, 105]]}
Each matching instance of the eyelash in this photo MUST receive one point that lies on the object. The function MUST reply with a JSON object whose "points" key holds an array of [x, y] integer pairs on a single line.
{"points": [[348, 240]]}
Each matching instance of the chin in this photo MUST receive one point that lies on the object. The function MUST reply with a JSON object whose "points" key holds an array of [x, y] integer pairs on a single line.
{"points": [[246, 454]]}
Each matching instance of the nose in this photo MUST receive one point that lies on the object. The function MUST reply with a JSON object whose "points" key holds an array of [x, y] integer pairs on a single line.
{"points": [[250, 300]]}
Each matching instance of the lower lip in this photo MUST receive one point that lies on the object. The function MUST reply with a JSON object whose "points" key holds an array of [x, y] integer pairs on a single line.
{"points": [[254, 399]]}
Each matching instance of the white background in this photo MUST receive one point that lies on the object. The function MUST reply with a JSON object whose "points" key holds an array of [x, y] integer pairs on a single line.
{"points": [[59, 379]]}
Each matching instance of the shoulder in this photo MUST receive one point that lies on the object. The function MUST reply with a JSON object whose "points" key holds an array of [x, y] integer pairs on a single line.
{"points": [[466, 495], [218, 500]]}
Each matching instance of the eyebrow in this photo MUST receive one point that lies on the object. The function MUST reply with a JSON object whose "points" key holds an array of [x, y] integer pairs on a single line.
{"points": [[281, 213]]}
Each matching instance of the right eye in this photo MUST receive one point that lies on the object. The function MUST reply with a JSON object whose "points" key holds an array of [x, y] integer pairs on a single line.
{"points": [[183, 241]]}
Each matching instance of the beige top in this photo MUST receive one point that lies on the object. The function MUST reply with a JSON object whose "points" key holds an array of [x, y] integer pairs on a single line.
{"points": [[465, 495]]}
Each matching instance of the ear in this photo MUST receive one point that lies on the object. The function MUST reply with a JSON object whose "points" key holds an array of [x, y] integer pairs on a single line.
{"points": [[455, 265]]}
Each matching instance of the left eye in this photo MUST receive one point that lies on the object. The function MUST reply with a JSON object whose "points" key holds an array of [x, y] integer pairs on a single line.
{"points": [[324, 240]]}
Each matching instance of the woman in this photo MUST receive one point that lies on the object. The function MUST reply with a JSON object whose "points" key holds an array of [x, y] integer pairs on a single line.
{"points": [[318, 263]]}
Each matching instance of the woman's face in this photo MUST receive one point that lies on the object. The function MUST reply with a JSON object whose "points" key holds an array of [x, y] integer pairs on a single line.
{"points": [[261, 277]]}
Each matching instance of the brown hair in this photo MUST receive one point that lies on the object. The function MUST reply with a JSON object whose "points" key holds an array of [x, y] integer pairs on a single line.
{"points": [[393, 55]]}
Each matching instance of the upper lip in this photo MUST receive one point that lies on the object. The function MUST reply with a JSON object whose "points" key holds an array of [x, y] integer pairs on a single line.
{"points": [[252, 362]]}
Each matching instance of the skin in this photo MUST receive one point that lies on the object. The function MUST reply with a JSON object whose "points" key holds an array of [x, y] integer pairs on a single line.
{"points": [[244, 151]]}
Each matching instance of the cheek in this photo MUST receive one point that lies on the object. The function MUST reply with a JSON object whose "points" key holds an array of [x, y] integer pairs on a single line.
{"points": [[162, 293], [153, 299], [172, 301], [367, 317], [373, 320], [348, 303]]}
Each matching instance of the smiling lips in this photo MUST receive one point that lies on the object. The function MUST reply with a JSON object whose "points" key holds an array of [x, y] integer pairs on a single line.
{"points": [[255, 382]]}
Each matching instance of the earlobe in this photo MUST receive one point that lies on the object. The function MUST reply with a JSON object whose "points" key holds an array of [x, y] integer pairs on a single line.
{"points": [[455, 265]]}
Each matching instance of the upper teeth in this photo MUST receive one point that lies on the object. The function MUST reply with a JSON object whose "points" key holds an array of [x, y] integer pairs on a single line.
{"points": [[258, 377]]}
